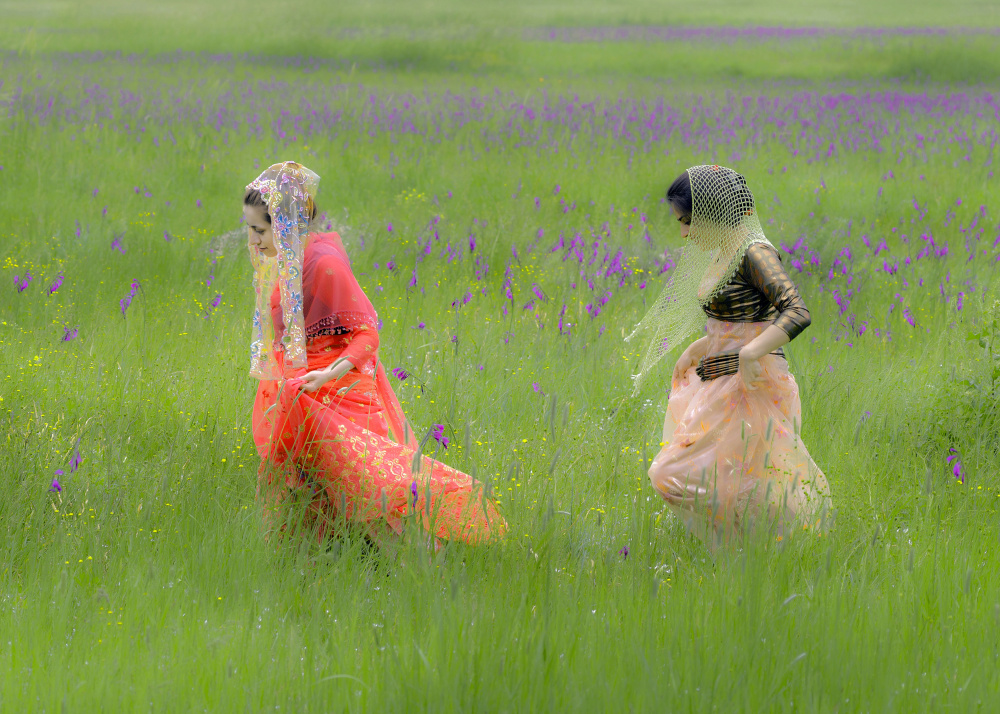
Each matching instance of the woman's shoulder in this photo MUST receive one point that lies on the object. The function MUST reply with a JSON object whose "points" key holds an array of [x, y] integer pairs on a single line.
{"points": [[323, 242], [761, 251], [324, 247], [760, 258]]}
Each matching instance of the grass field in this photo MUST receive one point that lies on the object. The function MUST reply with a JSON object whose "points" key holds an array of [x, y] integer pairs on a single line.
{"points": [[511, 158]]}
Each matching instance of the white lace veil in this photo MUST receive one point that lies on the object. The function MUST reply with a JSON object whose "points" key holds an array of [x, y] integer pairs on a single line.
{"points": [[289, 189]]}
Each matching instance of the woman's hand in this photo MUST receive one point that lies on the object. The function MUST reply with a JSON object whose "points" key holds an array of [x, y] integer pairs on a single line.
{"points": [[750, 369], [766, 342], [689, 358], [314, 381]]}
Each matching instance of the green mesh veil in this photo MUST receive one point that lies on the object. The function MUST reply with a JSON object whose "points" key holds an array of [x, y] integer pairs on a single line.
{"points": [[724, 224]]}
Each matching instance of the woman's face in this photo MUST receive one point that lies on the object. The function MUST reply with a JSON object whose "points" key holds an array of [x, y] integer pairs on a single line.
{"points": [[260, 232], [685, 221]]}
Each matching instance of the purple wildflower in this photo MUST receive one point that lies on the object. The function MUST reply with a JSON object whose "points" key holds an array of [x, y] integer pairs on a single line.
{"points": [[413, 494], [57, 284], [388, 229], [70, 333], [116, 244], [955, 462], [438, 434], [22, 283], [56, 487], [127, 300], [624, 552], [564, 327], [413, 278], [74, 463], [400, 374]]}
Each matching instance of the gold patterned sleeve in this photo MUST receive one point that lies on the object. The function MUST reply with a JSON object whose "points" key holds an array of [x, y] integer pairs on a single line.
{"points": [[362, 343], [763, 270]]}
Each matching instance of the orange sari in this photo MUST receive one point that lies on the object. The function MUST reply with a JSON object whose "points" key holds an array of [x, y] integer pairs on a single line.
{"points": [[346, 447]]}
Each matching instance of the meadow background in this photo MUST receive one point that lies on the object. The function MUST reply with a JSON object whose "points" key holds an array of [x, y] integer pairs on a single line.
{"points": [[496, 170]]}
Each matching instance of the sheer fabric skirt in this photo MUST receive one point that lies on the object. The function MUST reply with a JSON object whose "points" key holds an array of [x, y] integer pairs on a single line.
{"points": [[733, 455]]}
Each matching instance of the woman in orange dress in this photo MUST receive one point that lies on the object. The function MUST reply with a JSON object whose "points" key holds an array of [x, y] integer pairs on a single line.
{"points": [[326, 421]]}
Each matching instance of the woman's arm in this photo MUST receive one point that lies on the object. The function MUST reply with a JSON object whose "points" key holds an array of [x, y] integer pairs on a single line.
{"points": [[764, 272], [766, 342], [689, 358], [362, 344], [339, 368]]}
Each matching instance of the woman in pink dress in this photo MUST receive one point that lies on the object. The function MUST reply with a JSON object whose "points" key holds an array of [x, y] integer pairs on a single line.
{"points": [[326, 421], [732, 451]]}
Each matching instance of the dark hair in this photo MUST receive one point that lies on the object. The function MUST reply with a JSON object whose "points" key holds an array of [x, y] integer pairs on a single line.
{"points": [[679, 195], [253, 198], [724, 184]]}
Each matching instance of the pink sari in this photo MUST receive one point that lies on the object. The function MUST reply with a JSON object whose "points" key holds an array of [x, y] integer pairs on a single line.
{"points": [[732, 454], [346, 448]]}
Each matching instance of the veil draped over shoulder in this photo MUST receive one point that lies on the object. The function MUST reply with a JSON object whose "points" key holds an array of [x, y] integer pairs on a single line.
{"points": [[289, 189], [724, 224]]}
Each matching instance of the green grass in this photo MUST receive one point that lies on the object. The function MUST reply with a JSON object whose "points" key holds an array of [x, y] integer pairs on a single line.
{"points": [[488, 36], [146, 584]]}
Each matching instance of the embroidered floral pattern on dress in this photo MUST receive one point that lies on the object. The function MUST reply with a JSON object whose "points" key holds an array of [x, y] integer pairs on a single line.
{"points": [[346, 452], [350, 320]]}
